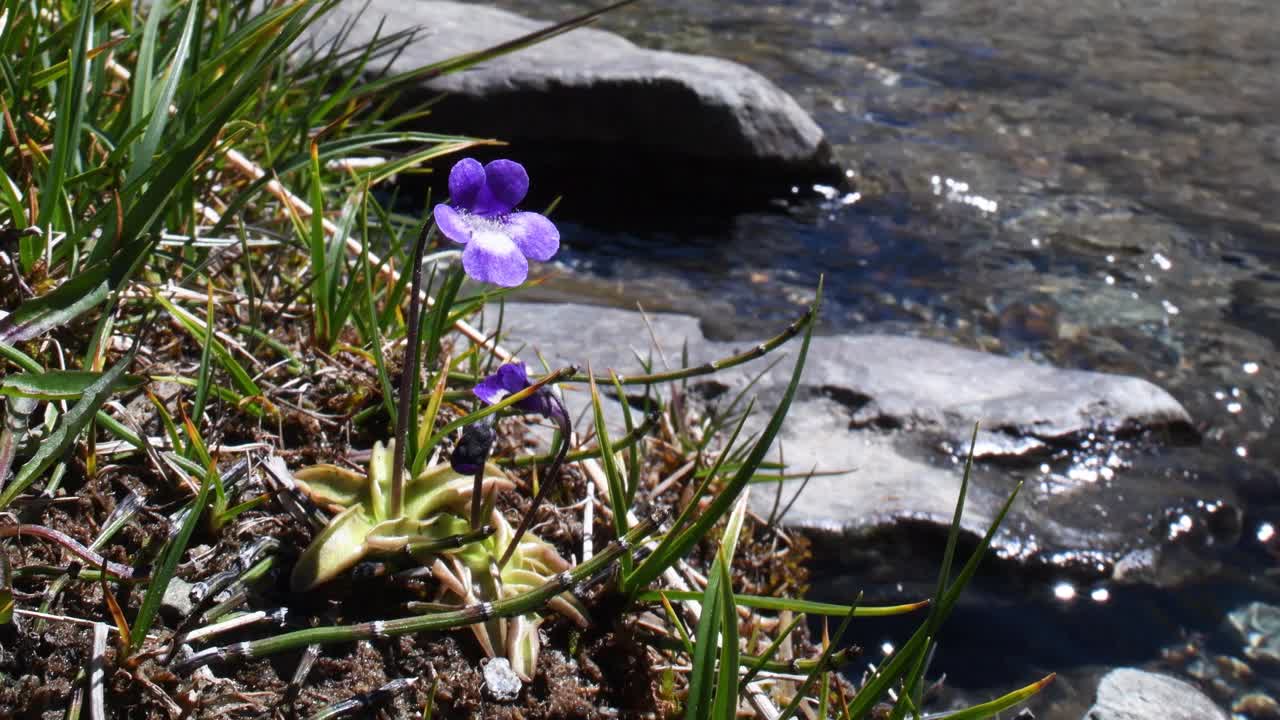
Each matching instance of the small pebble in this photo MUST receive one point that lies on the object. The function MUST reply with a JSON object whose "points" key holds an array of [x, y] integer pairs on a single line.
{"points": [[1258, 707], [1234, 668], [177, 598], [500, 680]]}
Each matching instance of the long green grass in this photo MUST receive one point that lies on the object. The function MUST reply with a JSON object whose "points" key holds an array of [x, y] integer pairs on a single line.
{"points": [[184, 248]]}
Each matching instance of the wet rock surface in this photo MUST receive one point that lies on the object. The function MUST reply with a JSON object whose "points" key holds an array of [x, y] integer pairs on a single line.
{"points": [[885, 421], [1257, 627], [648, 113], [1131, 694]]}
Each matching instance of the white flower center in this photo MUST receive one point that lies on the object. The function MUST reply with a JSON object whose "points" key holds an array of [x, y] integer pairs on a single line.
{"points": [[481, 224]]}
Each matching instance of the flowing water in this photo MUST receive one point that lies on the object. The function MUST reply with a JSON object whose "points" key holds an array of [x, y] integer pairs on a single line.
{"points": [[1093, 184]]}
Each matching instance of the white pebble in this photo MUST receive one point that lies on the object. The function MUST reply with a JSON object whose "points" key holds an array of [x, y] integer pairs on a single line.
{"points": [[502, 682]]}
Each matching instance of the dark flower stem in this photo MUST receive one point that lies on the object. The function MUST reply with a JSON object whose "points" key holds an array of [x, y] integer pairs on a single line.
{"points": [[477, 489], [408, 373], [562, 420]]}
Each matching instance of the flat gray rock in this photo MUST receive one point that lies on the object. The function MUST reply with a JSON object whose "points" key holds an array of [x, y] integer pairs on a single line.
{"points": [[591, 88], [889, 419], [1130, 694]]}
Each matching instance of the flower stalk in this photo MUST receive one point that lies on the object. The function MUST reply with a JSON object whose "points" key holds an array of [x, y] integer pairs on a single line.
{"points": [[408, 374], [561, 419]]}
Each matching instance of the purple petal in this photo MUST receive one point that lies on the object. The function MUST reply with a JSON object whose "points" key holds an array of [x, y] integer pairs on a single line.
{"points": [[466, 180], [510, 378], [452, 223], [516, 378], [493, 258], [507, 181], [537, 404], [490, 390], [505, 185], [535, 235], [513, 377]]}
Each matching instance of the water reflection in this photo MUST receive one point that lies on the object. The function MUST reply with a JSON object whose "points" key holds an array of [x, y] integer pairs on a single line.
{"points": [[958, 191], [1064, 592], [1086, 184]]}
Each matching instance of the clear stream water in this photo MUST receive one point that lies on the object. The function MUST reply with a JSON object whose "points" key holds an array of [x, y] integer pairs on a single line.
{"points": [[1094, 184]]}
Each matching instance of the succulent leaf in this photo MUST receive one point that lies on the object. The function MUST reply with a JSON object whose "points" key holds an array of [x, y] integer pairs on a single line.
{"points": [[338, 547], [381, 464], [440, 488], [435, 503], [333, 487]]}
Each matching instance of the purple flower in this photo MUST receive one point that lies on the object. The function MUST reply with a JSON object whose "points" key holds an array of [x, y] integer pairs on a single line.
{"points": [[472, 450], [512, 378], [481, 215]]}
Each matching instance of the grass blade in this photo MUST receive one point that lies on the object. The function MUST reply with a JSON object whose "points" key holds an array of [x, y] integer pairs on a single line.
{"points": [[159, 117], [702, 679], [61, 439], [60, 384], [675, 546], [168, 565], [204, 379], [609, 462], [1000, 704], [800, 606], [913, 685], [66, 146], [202, 334], [726, 702]]}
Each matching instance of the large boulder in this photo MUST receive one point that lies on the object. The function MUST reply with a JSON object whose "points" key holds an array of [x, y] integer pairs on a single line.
{"points": [[590, 101], [887, 420]]}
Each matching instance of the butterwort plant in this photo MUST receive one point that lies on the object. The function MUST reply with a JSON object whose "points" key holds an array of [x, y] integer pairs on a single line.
{"points": [[481, 214], [379, 511]]}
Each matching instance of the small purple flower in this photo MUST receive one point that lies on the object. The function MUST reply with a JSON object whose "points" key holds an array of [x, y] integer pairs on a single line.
{"points": [[481, 215], [472, 450], [512, 378]]}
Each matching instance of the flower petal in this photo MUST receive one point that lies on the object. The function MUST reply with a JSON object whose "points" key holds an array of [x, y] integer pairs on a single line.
{"points": [[535, 235], [493, 258], [505, 185], [509, 378], [513, 377], [466, 180], [538, 403], [490, 390], [452, 223]]}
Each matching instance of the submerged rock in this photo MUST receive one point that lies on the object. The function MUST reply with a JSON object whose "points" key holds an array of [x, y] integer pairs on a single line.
{"points": [[1131, 694], [1257, 706], [886, 421], [590, 96], [1257, 627]]}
